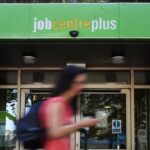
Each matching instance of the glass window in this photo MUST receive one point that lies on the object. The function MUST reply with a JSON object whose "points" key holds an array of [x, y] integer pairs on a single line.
{"points": [[110, 109], [142, 121], [8, 77], [142, 77], [34, 97], [119, 77], [8, 110], [38, 77]]}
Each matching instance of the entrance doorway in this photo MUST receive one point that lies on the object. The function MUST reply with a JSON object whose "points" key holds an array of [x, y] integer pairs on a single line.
{"points": [[111, 107]]}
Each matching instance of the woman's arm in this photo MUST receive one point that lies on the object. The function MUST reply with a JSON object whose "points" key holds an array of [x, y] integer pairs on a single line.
{"points": [[56, 129]]}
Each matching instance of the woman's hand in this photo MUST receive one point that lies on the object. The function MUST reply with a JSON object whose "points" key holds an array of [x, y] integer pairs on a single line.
{"points": [[88, 122]]}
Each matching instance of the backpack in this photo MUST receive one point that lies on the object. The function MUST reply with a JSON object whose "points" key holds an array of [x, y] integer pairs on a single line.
{"points": [[29, 129]]}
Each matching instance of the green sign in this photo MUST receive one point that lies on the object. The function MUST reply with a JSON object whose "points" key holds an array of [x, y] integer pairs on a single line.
{"points": [[111, 20], [4, 114]]}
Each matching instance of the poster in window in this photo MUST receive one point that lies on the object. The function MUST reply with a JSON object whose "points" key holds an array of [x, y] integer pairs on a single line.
{"points": [[102, 116]]}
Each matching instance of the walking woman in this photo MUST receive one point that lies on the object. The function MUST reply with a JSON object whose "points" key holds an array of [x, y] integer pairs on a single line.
{"points": [[57, 112]]}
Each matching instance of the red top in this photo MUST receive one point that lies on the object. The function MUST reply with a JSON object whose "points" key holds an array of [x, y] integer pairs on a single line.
{"points": [[57, 143]]}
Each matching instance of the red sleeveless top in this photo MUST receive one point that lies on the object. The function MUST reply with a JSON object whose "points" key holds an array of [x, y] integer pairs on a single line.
{"points": [[57, 143]]}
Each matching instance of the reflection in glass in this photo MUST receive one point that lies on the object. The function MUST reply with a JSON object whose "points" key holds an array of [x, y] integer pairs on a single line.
{"points": [[142, 77], [106, 107], [142, 98], [38, 77], [102, 77], [33, 98], [8, 109], [8, 77]]}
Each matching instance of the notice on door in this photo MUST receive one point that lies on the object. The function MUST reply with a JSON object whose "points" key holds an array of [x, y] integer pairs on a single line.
{"points": [[116, 126], [102, 116]]}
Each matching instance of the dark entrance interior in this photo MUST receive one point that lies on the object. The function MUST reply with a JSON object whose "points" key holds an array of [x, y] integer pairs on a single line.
{"points": [[56, 53]]}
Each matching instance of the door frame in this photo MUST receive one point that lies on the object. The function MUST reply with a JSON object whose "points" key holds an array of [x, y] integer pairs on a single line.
{"points": [[76, 137], [128, 118]]}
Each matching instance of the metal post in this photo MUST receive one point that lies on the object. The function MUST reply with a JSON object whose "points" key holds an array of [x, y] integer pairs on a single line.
{"points": [[118, 144]]}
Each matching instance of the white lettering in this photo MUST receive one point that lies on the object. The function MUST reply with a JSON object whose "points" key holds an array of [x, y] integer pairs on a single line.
{"points": [[48, 24], [100, 23], [113, 24], [40, 25], [94, 25], [35, 25], [106, 24]]}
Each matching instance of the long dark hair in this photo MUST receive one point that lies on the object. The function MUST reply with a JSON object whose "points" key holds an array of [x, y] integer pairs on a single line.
{"points": [[64, 82]]}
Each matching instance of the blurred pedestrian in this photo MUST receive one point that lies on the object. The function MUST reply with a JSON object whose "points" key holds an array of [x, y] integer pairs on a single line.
{"points": [[57, 111]]}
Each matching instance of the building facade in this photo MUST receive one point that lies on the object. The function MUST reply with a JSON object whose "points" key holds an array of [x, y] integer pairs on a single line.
{"points": [[110, 38]]}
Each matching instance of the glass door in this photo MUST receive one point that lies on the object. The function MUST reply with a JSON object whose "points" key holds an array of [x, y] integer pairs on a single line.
{"points": [[8, 115], [113, 111], [112, 108], [32, 96]]}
